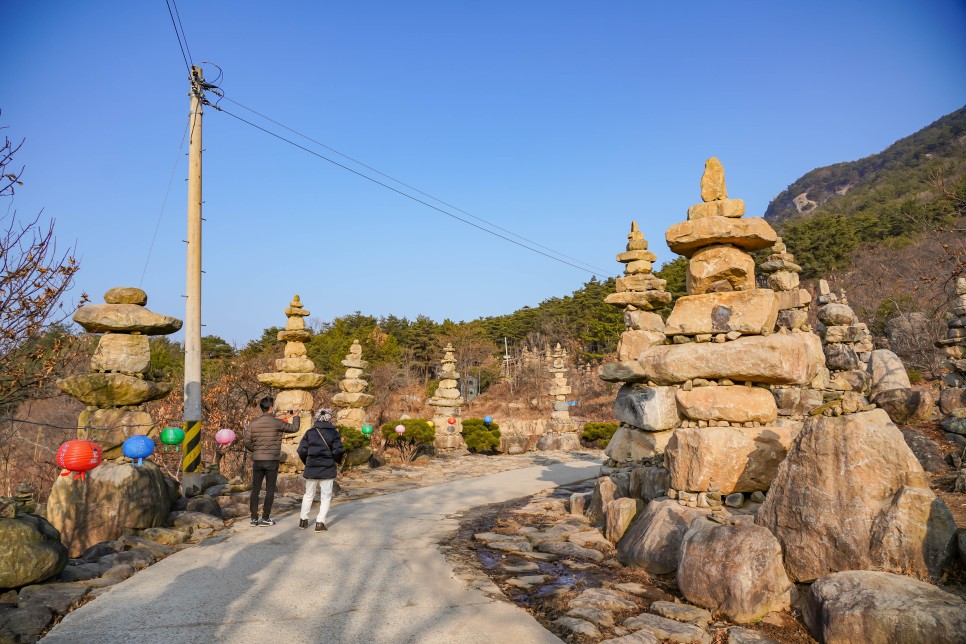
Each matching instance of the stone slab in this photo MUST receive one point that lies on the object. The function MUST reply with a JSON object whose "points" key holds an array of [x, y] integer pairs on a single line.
{"points": [[749, 312], [736, 404], [753, 233]]}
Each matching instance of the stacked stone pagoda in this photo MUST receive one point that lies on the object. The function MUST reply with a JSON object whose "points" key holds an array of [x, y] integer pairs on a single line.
{"points": [[120, 381], [352, 398], [646, 413], [295, 380], [723, 355], [446, 404], [952, 399], [562, 432]]}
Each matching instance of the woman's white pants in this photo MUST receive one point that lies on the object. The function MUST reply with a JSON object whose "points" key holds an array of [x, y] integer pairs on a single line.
{"points": [[325, 489]]}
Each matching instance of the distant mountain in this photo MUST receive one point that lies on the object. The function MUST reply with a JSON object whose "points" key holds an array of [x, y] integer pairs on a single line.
{"points": [[887, 197]]}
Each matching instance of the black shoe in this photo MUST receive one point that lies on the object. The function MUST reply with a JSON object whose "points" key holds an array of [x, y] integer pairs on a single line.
{"points": [[253, 523], [303, 524], [266, 522], [319, 526]]}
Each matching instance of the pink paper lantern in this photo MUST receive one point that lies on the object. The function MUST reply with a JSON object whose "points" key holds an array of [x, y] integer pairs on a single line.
{"points": [[400, 429], [224, 436]]}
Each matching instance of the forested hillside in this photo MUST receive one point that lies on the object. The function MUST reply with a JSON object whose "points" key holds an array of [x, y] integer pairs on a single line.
{"points": [[894, 197]]}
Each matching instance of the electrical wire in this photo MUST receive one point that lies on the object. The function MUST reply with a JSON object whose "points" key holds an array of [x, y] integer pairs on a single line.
{"points": [[178, 36], [163, 204], [183, 34], [596, 269], [400, 192]]}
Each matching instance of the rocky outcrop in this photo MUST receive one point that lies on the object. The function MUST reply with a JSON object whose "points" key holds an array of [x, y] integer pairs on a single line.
{"points": [[31, 552], [115, 498], [882, 608], [851, 495], [735, 570]]}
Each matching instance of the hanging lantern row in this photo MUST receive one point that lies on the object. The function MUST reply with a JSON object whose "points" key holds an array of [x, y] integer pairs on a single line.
{"points": [[138, 447], [78, 457]]}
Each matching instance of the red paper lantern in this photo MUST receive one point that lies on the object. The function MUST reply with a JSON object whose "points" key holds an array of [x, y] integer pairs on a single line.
{"points": [[79, 456], [451, 421]]}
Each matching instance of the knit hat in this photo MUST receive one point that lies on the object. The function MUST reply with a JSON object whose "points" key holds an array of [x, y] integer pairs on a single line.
{"points": [[323, 415]]}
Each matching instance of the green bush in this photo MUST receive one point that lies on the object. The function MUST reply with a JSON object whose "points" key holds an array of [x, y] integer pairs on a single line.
{"points": [[598, 434], [480, 437], [418, 431], [352, 438]]}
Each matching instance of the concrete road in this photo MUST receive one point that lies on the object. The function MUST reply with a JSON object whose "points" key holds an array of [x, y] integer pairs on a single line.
{"points": [[375, 576]]}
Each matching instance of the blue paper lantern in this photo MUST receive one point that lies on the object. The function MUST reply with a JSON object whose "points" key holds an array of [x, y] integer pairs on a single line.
{"points": [[139, 447], [487, 420]]}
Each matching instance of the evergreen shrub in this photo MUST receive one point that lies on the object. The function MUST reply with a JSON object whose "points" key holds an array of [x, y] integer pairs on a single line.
{"points": [[352, 438], [479, 437], [598, 434]]}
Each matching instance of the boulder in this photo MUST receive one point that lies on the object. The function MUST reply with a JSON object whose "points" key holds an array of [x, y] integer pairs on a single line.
{"points": [[734, 570], [652, 409], [752, 233], [751, 312], [713, 266], [618, 514], [792, 359], [109, 428], [856, 466], [114, 498], [906, 406], [562, 441], [736, 404], [357, 457], [201, 481], [205, 505], [727, 459], [126, 295], [887, 372], [629, 445], [841, 357], [122, 352], [643, 320], [653, 540], [633, 343], [112, 389], [31, 551], [649, 483], [605, 491], [124, 318], [926, 450], [836, 314], [882, 608], [951, 399], [796, 401]]}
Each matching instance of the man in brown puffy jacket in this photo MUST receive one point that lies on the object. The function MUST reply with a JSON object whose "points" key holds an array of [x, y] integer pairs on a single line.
{"points": [[263, 437]]}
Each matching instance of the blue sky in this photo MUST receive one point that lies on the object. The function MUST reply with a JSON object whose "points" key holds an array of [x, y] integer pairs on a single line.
{"points": [[559, 121]]}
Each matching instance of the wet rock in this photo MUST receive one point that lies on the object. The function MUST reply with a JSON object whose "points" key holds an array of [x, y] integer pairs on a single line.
{"points": [[511, 546], [579, 626], [567, 549], [879, 607], [527, 582], [31, 551], [602, 599], [595, 615], [734, 570], [682, 613], [668, 630]]}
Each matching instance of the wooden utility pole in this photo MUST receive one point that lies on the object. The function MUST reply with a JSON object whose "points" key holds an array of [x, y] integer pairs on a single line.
{"points": [[191, 461]]}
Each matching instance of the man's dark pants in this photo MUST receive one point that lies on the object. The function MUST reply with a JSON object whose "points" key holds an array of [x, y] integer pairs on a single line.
{"points": [[269, 471]]}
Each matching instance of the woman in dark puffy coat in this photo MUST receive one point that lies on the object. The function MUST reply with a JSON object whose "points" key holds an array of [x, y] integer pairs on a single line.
{"points": [[321, 451]]}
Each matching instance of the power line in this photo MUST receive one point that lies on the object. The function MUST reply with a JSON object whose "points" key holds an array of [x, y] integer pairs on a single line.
{"points": [[597, 269], [178, 36], [163, 204], [183, 34], [400, 192]]}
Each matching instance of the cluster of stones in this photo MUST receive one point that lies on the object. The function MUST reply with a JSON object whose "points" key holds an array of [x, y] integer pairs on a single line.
{"points": [[120, 380], [952, 399], [847, 344], [646, 413], [446, 404], [352, 398], [562, 431], [830, 493], [295, 379]]}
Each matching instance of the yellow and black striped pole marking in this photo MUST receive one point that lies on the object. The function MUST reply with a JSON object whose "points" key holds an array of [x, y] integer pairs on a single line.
{"points": [[191, 461]]}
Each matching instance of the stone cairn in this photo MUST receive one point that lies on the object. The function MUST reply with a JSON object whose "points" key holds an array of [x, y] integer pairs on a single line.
{"points": [[952, 400], [352, 398], [295, 379], [120, 381], [562, 431], [446, 404], [647, 414]]}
